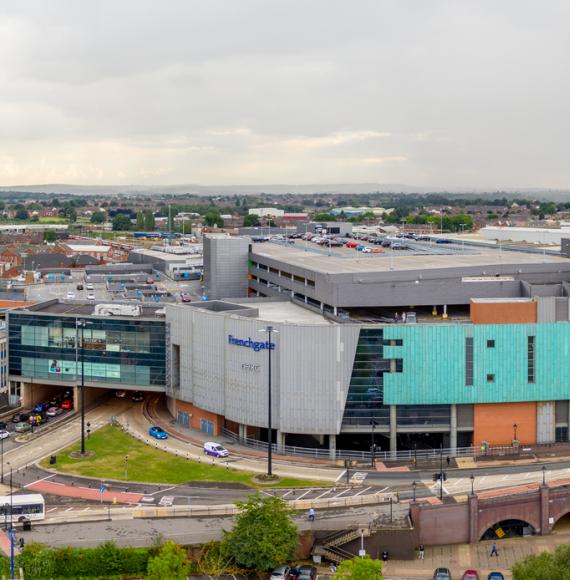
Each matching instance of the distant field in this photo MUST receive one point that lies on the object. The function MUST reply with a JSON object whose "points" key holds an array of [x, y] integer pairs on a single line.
{"points": [[53, 220]]}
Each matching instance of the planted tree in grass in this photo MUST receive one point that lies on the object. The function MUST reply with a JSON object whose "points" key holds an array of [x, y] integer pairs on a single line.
{"points": [[359, 569], [264, 535]]}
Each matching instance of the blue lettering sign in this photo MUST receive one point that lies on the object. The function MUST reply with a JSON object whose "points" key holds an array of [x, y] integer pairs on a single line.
{"points": [[250, 343]]}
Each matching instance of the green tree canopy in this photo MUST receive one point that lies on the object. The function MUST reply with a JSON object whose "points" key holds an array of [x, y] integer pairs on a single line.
{"points": [[171, 562], [359, 569], [121, 223], [21, 214], [50, 236], [544, 566], [98, 217], [251, 220], [264, 535], [324, 217], [213, 219]]}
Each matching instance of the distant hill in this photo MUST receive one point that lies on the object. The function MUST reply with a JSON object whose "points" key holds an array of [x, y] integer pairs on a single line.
{"points": [[335, 188]]}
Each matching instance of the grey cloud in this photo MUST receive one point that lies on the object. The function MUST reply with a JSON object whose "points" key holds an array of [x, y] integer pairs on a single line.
{"points": [[463, 92]]}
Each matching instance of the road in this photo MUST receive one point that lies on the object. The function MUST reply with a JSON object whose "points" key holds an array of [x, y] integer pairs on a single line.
{"points": [[142, 532]]}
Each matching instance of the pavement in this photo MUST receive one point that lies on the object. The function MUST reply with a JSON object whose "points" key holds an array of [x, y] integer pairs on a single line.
{"points": [[460, 557]]}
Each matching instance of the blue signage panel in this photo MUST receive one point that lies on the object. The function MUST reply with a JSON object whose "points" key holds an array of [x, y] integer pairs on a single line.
{"points": [[250, 343]]}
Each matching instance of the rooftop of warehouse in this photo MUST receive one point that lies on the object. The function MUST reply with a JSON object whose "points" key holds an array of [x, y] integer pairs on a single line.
{"points": [[349, 261]]}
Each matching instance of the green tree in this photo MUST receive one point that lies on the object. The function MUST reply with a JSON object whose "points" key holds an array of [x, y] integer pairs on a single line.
{"points": [[539, 567], [263, 535], [149, 222], [21, 214], [50, 236], [359, 569], [140, 221], [121, 223], [98, 217], [324, 217], [251, 220], [213, 219], [171, 562]]}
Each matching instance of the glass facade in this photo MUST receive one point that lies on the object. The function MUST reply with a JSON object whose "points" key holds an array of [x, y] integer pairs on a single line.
{"points": [[365, 400], [130, 352]]}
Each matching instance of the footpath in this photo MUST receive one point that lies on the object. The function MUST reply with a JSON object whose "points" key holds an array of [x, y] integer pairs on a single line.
{"points": [[460, 557]]}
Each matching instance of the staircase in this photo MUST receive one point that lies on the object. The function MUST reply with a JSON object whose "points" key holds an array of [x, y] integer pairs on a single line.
{"points": [[329, 547]]}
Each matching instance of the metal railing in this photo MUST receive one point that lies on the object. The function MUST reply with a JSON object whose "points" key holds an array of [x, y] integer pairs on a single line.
{"points": [[409, 455]]}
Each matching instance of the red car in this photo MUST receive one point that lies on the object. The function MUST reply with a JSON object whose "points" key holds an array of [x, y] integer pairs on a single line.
{"points": [[351, 244], [470, 575], [67, 404]]}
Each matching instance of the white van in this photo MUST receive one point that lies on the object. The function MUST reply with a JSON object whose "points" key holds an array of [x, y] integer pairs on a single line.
{"points": [[215, 449]]}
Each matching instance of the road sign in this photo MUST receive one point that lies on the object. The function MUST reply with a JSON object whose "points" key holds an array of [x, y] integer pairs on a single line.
{"points": [[500, 533]]}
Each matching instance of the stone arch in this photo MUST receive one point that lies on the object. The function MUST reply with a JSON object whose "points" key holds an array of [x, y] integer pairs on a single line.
{"points": [[511, 527]]}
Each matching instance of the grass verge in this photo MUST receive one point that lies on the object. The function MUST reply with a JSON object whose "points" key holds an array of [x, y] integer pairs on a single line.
{"points": [[147, 464]]}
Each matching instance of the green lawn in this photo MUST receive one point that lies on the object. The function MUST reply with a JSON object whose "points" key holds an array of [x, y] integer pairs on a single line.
{"points": [[147, 464]]}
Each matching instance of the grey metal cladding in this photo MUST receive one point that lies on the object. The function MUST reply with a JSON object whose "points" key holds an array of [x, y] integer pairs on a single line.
{"points": [[311, 369], [316, 364]]}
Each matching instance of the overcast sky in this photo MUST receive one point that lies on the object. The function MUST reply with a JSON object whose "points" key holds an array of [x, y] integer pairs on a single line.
{"points": [[425, 92]]}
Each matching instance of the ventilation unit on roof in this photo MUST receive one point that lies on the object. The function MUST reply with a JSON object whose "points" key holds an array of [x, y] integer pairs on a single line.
{"points": [[117, 310]]}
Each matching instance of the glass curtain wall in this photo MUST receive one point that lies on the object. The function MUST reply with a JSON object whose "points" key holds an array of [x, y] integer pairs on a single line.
{"points": [[115, 351]]}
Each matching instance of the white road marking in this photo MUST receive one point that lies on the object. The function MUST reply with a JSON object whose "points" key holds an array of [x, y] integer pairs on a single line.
{"points": [[50, 510], [42, 479], [362, 491], [162, 490], [303, 495], [69, 509]]}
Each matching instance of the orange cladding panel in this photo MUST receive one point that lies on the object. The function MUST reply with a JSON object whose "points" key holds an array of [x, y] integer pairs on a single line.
{"points": [[503, 312], [493, 422], [196, 414]]}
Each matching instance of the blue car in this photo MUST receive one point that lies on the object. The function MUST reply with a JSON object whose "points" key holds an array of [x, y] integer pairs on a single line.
{"points": [[157, 432], [495, 576], [40, 408]]}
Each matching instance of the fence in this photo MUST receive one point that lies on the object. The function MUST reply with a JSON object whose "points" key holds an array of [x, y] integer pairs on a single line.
{"points": [[409, 455]]}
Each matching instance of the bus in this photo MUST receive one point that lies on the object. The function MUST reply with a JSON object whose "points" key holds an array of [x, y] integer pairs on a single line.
{"points": [[24, 507]]}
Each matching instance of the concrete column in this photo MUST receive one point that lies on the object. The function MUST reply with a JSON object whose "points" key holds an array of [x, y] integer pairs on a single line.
{"points": [[393, 429], [242, 432], [544, 510], [332, 446], [334, 310], [444, 311], [453, 429], [280, 441], [473, 507], [322, 307]]}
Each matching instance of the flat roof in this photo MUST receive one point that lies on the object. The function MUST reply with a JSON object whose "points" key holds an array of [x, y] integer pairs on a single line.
{"points": [[357, 262], [84, 308], [279, 311], [87, 248]]}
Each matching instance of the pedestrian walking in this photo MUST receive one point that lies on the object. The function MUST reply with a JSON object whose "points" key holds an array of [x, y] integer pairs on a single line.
{"points": [[494, 551], [385, 556], [332, 568], [448, 461], [311, 515], [422, 552]]}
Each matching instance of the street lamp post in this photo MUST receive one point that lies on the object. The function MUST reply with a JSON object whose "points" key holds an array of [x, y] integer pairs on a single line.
{"points": [[472, 478], [544, 475], [270, 346], [2, 453], [81, 324], [126, 467], [441, 471], [515, 427], [372, 444], [11, 496], [414, 485]]}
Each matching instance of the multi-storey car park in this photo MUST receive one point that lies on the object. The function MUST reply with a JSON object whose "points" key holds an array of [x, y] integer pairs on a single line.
{"points": [[431, 346]]}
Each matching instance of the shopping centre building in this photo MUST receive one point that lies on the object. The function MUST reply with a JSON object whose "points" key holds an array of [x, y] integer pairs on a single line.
{"points": [[442, 346]]}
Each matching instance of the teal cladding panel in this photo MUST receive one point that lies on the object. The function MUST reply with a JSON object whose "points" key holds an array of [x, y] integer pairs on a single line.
{"points": [[434, 364]]}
